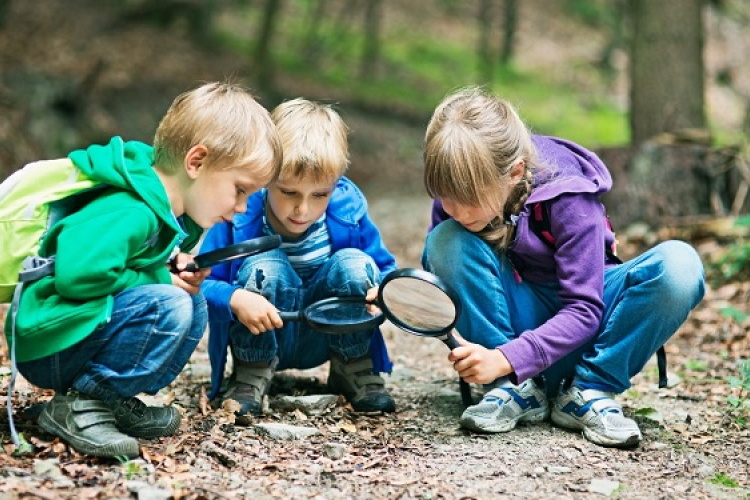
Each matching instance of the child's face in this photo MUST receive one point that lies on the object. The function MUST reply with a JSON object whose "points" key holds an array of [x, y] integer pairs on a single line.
{"points": [[295, 204], [217, 194], [473, 218]]}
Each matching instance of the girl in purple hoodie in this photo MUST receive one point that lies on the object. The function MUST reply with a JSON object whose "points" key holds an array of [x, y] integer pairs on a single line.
{"points": [[555, 326]]}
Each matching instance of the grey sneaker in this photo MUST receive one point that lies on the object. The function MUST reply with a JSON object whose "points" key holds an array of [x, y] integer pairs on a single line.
{"points": [[362, 388], [88, 425], [248, 386], [505, 406], [135, 418], [598, 415]]}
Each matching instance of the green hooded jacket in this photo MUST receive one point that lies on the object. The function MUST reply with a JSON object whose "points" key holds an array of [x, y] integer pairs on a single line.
{"points": [[119, 240]]}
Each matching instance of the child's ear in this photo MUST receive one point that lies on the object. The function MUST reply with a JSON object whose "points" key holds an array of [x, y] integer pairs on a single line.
{"points": [[195, 160], [517, 171]]}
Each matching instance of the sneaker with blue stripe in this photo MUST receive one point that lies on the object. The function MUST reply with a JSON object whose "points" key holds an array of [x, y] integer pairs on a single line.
{"points": [[598, 415], [505, 406]]}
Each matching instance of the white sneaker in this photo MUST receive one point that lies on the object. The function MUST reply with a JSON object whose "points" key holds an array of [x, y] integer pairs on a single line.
{"points": [[598, 415], [502, 408]]}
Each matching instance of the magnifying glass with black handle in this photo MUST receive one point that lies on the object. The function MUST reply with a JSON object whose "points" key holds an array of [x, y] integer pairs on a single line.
{"points": [[415, 301], [338, 315], [229, 253], [420, 303]]}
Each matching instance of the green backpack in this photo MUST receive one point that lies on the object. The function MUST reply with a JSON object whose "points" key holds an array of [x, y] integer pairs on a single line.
{"points": [[31, 201]]}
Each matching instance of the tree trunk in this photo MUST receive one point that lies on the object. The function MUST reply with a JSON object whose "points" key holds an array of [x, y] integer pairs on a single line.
{"points": [[262, 61], [315, 16], [664, 180], [4, 8], [371, 48], [485, 61], [666, 64], [510, 26]]}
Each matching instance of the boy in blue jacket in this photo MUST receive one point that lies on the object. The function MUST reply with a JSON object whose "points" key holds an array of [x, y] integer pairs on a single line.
{"points": [[330, 248]]}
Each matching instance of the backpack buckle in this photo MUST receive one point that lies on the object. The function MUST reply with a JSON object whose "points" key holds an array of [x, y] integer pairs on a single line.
{"points": [[35, 267]]}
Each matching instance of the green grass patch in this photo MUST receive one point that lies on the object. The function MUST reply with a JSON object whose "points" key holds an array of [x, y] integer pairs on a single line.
{"points": [[724, 480]]}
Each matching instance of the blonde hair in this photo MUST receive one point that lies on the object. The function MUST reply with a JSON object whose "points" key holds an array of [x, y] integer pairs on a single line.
{"points": [[314, 140], [472, 142], [226, 118]]}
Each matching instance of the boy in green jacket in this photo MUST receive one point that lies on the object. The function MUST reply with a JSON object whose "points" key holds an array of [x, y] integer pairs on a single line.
{"points": [[113, 321]]}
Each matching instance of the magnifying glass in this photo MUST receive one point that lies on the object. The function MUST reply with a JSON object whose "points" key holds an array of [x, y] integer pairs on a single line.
{"points": [[338, 315], [237, 251], [414, 300], [420, 303]]}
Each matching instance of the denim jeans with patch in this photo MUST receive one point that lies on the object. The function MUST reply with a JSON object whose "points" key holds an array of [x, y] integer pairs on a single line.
{"points": [[348, 273], [645, 301], [149, 339]]}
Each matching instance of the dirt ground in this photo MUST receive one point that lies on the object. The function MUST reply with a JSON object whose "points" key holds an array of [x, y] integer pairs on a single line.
{"points": [[690, 444], [693, 446]]}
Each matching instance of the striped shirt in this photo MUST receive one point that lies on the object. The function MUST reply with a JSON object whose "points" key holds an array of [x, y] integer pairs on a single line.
{"points": [[308, 252]]}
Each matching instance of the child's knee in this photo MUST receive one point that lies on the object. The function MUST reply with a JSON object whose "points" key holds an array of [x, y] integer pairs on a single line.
{"points": [[270, 270], [176, 308], [682, 270], [354, 265], [449, 245]]}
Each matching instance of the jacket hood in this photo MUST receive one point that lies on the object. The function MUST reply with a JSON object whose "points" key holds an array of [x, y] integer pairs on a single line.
{"points": [[566, 167], [347, 202], [128, 166]]}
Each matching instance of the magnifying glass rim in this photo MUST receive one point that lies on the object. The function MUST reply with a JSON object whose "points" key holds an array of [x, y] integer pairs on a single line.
{"points": [[426, 277], [341, 328], [237, 251]]}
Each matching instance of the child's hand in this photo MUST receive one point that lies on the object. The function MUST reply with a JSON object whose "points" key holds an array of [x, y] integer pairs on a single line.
{"points": [[189, 281], [371, 298], [254, 311], [476, 364]]}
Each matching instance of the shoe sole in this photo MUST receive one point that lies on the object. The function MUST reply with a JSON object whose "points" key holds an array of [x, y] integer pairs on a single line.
{"points": [[530, 417], [127, 447], [562, 419]]}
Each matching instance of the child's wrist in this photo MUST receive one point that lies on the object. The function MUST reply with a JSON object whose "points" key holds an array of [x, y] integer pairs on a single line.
{"points": [[504, 366]]}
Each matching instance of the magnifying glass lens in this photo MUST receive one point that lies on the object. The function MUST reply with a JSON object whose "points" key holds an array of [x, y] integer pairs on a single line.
{"points": [[341, 313], [419, 305]]}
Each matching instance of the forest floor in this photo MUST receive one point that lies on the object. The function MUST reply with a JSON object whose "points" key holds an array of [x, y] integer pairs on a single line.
{"points": [[694, 446]]}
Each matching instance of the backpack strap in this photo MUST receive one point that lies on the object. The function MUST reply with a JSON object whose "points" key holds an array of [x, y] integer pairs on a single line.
{"points": [[13, 365], [540, 225], [34, 268]]}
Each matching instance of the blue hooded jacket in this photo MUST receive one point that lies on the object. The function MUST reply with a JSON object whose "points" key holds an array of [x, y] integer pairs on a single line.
{"points": [[349, 226]]}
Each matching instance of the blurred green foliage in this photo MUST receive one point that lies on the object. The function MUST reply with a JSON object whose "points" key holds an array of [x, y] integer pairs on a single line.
{"points": [[418, 66], [417, 69]]}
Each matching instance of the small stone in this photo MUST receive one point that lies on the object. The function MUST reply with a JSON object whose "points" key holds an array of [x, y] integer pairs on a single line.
{"points": [[334, 451], [284, 432], [603, 486]]}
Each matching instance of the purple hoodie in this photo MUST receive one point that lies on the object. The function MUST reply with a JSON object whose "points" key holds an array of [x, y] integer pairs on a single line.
{"points": [[572, 178]]}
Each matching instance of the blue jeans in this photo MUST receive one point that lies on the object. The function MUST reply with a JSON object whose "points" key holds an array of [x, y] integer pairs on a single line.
{"points": [[153, 331], [645, 301], [348, 273]]}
